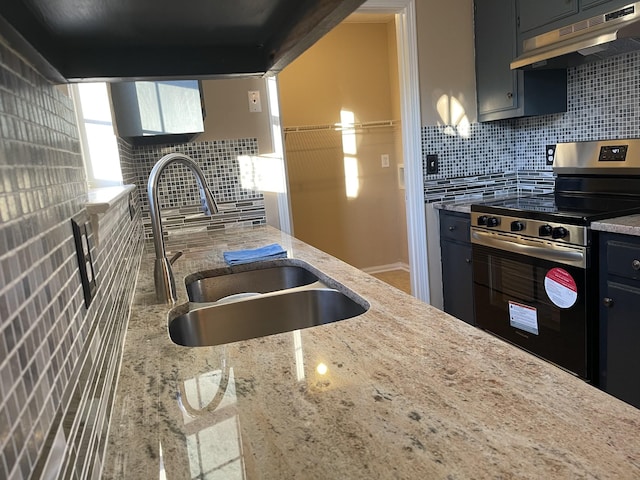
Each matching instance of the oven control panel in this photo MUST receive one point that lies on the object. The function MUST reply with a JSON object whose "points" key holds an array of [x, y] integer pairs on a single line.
{"points": [[550, 231]]}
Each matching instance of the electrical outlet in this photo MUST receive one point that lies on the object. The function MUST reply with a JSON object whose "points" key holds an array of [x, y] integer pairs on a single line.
{"points": [[432, 164], [255, 106], [550, 154], [385, 160]]}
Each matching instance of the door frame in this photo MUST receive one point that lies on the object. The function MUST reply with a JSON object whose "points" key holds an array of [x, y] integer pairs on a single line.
{"points": [[407, 41]]}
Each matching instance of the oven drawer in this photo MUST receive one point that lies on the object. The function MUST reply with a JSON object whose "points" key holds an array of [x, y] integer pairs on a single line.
{"points": [[455, 226], [623, 258]]}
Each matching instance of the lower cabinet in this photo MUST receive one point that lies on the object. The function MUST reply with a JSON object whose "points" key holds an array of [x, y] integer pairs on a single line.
{"points": [[457, 270], [620, 316]]}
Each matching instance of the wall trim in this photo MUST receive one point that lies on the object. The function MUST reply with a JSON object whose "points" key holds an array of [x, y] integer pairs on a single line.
{"points": [[406, 36], [387, 268]]}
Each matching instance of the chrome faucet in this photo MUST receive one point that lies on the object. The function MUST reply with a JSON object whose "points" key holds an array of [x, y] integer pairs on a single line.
{"points": [[162, 273]]}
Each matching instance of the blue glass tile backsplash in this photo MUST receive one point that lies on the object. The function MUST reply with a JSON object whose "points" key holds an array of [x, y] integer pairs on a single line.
{"points": [[603, 103], [179, 196], [51, 422]]}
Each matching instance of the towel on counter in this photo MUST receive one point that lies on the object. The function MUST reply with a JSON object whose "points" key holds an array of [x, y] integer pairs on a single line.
{"points": [[268, 252]]}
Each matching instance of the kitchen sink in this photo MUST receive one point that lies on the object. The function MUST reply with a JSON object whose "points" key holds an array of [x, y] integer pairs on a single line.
{"points": [[246, 279], [262, 315]]}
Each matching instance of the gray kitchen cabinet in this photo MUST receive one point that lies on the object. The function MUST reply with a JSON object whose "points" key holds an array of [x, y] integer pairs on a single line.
{"points": [[588, 7], [457, 269], [157, 112], [538, 13], [620, 317], [538, 17], [501, 92], [586, 4]]}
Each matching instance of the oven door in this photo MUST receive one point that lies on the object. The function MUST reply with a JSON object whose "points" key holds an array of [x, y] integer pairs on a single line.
{"points": [[539, 304]]}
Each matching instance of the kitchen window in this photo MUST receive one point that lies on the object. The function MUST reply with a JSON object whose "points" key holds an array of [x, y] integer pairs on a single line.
{"points": [[97, 137]]}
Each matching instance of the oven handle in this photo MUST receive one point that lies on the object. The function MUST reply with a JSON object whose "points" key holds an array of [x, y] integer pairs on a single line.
{"points": [[575, 256]]}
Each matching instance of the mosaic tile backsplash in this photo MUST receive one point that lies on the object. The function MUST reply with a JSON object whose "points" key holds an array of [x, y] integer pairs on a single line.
{"points": [[603, 103], [179, 197], [58, 359]]}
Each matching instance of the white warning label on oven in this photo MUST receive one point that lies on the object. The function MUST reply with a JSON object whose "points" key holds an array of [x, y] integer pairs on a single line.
{"points": [[561, 288], [523, 317]]}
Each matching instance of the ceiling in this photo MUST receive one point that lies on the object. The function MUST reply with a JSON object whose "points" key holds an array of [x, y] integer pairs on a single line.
{"points": [[81, 40]]}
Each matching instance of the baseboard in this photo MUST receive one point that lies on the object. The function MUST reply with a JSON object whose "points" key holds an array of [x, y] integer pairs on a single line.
{"points": [[387, 268]]}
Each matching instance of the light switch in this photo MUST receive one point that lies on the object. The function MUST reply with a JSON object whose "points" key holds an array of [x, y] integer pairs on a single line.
{"points": [[432, 164], [255, 106], [81, 227]]}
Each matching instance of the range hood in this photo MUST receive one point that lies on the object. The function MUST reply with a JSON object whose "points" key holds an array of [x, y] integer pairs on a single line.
{"points": [[111, 40], [592, 39]]}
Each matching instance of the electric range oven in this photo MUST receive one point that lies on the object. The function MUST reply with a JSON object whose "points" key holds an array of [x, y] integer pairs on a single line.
{"points": [[535, 258]]}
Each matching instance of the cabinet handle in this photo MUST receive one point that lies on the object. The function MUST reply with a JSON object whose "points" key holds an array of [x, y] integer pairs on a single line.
{"points": [[453, 227], [509, 95], [608, 302], [468, 260], [635, 264]]}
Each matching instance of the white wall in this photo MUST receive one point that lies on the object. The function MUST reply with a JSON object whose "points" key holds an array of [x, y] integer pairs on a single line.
{"points": [[446, 57], [228, 115]]}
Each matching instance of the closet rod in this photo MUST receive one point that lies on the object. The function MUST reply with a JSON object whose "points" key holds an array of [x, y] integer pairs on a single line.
{"points": [[340, 127]]}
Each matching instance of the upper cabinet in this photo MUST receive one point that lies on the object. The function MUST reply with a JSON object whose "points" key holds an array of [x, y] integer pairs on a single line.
{"points": [[586, 4], [538, 13], [536, 17], [157, 112], [501, 92], [75, 40]]}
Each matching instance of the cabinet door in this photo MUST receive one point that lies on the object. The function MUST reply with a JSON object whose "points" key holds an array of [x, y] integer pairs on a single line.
{"points": [[495, 35], [154, 109], [584, 4], [611, 4], [620, 375], [538, 13], [457, 280]]}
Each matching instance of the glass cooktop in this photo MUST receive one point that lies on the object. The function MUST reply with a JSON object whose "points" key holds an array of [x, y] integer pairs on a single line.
{"points": [[568, 208]]}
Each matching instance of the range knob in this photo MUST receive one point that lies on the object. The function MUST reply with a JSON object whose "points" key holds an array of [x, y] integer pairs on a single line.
{"points": [[545, 230], [559, 232], [482, 220], [493, 222], [517, 226]]}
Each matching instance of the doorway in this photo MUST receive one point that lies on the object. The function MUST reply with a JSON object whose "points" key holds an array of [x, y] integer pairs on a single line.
{"points": [[340, 113], [402, 15]]}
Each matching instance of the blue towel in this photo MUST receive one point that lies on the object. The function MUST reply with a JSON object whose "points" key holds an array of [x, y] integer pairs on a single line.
{"points": [[268, 252]]}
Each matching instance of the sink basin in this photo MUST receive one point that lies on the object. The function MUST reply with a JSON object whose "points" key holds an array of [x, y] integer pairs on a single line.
{"points": [[220, 284], [262, 315]]}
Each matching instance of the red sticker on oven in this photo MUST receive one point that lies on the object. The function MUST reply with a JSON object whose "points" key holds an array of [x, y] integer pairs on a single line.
{"points": [[561, 287]]}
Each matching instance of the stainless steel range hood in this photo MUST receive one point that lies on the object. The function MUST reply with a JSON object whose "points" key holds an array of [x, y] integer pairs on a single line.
{"points": [[595, 38]]}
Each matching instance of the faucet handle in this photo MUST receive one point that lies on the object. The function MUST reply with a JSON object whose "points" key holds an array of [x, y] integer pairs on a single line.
{"points": [[176, 256]]}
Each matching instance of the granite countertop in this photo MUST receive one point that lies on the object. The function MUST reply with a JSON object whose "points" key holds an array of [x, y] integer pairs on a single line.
{"points": [[408, 392], [629, 225], [463, 205]]}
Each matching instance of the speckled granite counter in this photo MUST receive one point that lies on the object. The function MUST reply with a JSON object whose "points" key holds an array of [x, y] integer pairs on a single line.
{"points": [[409, 392], [464, 205], [461, 206], [629, 225]]}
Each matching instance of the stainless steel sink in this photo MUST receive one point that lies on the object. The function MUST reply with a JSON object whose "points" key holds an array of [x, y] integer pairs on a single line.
{"points": [[253, 278], [263, 315]]}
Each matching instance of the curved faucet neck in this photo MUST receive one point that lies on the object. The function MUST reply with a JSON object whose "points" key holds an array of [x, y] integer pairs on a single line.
{"points": [[165, 291]]}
